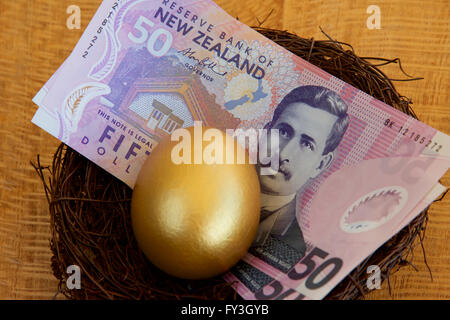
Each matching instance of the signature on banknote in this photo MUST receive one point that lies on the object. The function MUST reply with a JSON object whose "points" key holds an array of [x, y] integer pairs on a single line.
{"points": [[203, 63]]}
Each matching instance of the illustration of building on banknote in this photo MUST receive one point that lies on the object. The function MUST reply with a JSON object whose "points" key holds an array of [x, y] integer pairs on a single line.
{"points": [[159, 95]]}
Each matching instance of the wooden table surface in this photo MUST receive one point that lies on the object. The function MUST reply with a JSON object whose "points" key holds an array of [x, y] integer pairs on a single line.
{"points": [[35, 40]]}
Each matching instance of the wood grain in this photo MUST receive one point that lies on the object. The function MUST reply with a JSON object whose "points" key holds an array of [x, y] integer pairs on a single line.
{"points": [[34, 41]]}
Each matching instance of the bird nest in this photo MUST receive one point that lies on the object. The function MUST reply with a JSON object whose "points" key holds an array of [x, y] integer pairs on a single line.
{"points": [[90, 209]]}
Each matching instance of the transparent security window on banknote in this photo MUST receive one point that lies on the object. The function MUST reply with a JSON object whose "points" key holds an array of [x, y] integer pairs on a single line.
{"points": [[352, 170]]}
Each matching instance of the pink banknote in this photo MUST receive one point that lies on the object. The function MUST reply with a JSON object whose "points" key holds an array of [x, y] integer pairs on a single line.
{"points": [[280, 287], [351, 168]]}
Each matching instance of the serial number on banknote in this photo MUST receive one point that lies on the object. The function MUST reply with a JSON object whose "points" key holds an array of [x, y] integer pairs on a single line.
{"points": [[415, 136], [100, 29]]}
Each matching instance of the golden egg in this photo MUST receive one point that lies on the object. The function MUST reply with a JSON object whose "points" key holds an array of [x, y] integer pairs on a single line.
{"points": [[195, 219]]}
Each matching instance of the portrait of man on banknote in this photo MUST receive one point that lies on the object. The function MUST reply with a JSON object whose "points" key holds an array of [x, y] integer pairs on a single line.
{"points": [[311, 121]]}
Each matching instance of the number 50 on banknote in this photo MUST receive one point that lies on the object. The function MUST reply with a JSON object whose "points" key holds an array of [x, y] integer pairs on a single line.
{"points": [[352, 170]]}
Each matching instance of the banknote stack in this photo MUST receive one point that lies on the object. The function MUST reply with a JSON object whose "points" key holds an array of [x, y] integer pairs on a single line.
{"points": [[353, 171]]}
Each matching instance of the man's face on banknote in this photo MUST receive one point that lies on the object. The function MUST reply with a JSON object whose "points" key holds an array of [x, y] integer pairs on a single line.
{"points": [[303, 132]]}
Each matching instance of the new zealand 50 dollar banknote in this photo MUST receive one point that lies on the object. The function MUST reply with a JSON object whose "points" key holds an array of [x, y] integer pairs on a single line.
{"points": [[351, 169]]}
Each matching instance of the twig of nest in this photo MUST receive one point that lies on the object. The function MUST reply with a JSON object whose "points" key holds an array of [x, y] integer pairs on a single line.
{"points": [[90, 209]]}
